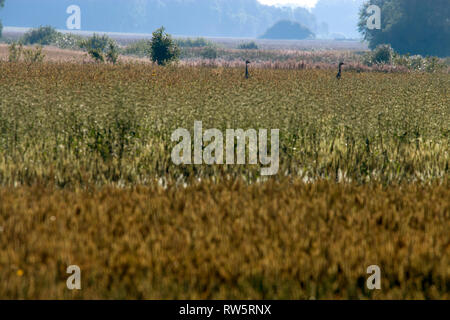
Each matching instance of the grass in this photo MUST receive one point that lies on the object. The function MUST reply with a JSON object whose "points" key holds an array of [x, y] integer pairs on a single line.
{"points": [[99, 124], [276, 240], [86, 178]]}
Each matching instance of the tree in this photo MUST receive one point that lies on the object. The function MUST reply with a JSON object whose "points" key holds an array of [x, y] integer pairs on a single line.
{"points": [[42, 35], [2, 3], [290, 30], [410, 26], [163, 48]]}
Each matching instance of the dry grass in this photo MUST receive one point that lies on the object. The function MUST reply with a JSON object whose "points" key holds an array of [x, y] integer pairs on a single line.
{"points": [[277, 240], [57, 55]]}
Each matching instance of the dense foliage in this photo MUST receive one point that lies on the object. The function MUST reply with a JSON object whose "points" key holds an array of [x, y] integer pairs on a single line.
{"points": [[163, 47], [289, 30], [43, 35], [410, 26], [101, 48]]}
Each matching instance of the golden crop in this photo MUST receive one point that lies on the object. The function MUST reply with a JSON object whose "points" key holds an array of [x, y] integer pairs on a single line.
{"points": [[284, 240], [86, 178]]}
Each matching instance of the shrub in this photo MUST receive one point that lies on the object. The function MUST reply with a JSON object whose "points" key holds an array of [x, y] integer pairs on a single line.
{"points": [[112, 52], [101, 48], [382, 54], [141, 48], [418, 63], [248, 46], [95, 42], [42, 35], [15, 52], [208, 53], [163, 48], [68, 41], [34, 56], [193, 43]]}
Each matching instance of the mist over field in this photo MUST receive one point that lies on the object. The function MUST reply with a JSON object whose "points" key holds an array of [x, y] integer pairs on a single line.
{"points": [[218, 18]]}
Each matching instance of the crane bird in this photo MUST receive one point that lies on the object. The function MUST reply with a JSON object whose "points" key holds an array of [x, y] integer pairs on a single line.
{"points": [[338, 76], [246, 69]]}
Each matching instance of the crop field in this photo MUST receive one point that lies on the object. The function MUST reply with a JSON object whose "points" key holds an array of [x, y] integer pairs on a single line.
{"points": [[87, 179]]}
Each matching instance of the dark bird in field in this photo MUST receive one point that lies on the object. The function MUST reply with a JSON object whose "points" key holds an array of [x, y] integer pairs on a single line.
{"points": [[246, 69], [338, 76]]}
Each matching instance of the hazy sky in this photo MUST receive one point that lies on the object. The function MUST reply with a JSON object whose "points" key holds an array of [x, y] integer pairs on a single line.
{"points": [[303, 3]]}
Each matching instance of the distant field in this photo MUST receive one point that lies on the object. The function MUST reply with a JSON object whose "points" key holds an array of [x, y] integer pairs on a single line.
{"points": [[86, 178], [125, 39]]}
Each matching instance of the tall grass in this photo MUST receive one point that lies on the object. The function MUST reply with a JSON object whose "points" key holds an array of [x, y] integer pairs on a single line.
{"points": [[111, 125]]}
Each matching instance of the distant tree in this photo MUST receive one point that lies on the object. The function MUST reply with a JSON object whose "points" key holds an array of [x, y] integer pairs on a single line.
{"points": [[289, 30], [410, 26], [248, 46], [2, 3], [163, 47], [42, 35]]}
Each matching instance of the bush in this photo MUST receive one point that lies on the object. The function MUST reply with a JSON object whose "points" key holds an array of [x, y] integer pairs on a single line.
{"points": [[101, 48], [34, 56], [193, 43], [96, 42], [112, 52], [248, 46], [418, 63], [163, 48], [382, 54], [15, 52], [68, 41], [141, 48], [209, 53], [42, 35]]}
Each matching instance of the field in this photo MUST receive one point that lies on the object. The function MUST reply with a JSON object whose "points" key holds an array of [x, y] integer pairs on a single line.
{"points": [[87, 179]]}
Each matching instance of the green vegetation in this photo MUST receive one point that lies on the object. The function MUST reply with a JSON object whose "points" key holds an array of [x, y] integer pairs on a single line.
{"points": [[101, 48], [33, 56], [15, 52], [410, 26], [42, 35], [141, 48], [288, 30], [163, 48], [382, 54], [208, 53], [385, 55], [193, 43], [49, 36], [248, 46]]}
